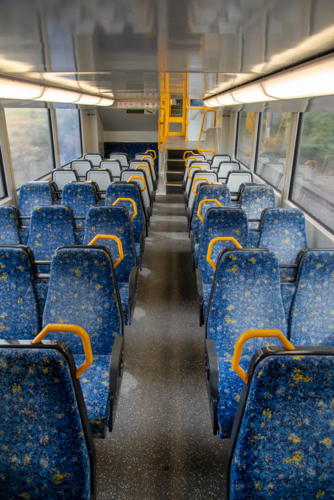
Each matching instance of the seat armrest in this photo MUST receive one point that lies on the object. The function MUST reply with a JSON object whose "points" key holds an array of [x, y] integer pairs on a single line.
{"points": [[142, 241], [199, 282], [133, 283], [212, 370], [115, 362], [188, 215], [192, 241]]}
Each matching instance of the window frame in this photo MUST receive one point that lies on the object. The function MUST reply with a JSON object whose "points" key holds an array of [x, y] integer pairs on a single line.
{"points": [[237, 138], [3, 176]]}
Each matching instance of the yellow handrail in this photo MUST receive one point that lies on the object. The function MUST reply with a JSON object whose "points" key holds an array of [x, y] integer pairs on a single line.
{"points": [[51, 327], [184, 154], [110, 237], [191, 158], [215, 240], [205, 131], [199, 179], [138, 177], [145, 166], [190, 168], [133, 203], [152, 151], [250, 334], [148, 156], [206, 201]]}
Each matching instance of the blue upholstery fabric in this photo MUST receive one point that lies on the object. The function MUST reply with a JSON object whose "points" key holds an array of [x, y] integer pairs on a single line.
{"points": [[24, 235], [131, 149], [34, 194], [125, 190], [254, 199], [284, 448], [220, 222], [217, 192], [80, 197], [245, 295], [41, 289], [9, 226], [19, 315], [79, 235], [312, 311], [283, 232], [43, 448], [254, 237], [288, 291], [50, 228]]}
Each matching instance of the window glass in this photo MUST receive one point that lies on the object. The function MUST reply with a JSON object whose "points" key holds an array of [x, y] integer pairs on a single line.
{"points": [[246, 129], [313, 182], [274, 134], [30, 143], [3, 191], [69, 136]]}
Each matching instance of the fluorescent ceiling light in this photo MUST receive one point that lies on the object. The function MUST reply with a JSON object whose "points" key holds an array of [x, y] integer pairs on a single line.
{"points": [[251, 93], [13, 89], [226, 99], [88, 99], [212, 101], [308, 81], [105, 102], [59, 95]]}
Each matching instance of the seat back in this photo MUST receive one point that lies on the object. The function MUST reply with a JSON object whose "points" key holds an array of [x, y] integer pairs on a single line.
{"points": [[201, 164], [218, 192], [254, 199], [147, 158], [121, 157], [80, 197], [94, 158], [194, 167], [217, 159], [102, 177], [81, 167], [113, 221], [83, 291], [9, 225], [48, 449], [139, 177], [130, 190], [197, 178], [235, 179], [282, 230], [311, 315], [225, 167], [50, 228], [19, 312], [145, 167], [35, 194], [220, 222], [114, 167], [62, 177], [267, 455]]}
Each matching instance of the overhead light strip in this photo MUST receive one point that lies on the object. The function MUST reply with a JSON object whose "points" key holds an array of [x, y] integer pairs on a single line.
{"points": [[311, 80]]}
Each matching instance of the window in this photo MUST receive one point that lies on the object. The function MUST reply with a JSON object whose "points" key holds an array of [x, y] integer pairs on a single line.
{"points": [[313, 180], [272, 147], [245, 135], [69, 136], [3, 191], [30, 143]]}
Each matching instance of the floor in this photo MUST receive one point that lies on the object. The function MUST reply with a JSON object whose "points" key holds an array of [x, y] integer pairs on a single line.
{"points": [[162, 445]]}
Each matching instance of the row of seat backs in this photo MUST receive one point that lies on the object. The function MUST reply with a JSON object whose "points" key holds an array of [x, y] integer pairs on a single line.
{"points": [[221, 170], [214, 162]]}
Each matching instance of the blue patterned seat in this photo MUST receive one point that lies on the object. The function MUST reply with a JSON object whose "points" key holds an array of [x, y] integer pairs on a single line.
{"points": [[35, 194], [50, 228], [80, 196], [47, 450], [245, 295], [9, 225], [83, 291], [218, 222], [115, 221], [215, 191], [312, 310], [254, 199], [128, 190], [283, 231], [282, 440]]}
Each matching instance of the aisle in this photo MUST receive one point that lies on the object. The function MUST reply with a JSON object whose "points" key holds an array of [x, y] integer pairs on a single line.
{"points": [[162, 445]]}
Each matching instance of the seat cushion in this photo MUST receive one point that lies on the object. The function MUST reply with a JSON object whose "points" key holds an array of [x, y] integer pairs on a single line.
{"points": [[95, 388], [79, 236], [124, 293]]}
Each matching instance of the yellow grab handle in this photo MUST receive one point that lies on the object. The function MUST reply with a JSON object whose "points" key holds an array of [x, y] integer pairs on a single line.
{"points": [[195, 166], [138, 177], [145, 166], [213, 241], [184, 154], [52, 327], [207, 151], [191, 158], [250, 334], [206, 201], [151, 151], [133, 203], [110, 237], [199, 179], [148, 156]]}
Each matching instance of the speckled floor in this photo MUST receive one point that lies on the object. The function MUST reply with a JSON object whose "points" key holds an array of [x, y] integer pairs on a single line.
{"points": [[162, 445]]}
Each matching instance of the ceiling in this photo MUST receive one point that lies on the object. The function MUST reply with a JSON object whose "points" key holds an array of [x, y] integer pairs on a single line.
{"points": [[123, 47]]}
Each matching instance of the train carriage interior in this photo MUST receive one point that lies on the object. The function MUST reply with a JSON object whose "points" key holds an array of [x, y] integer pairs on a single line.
{"points": [[167, 249]]}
